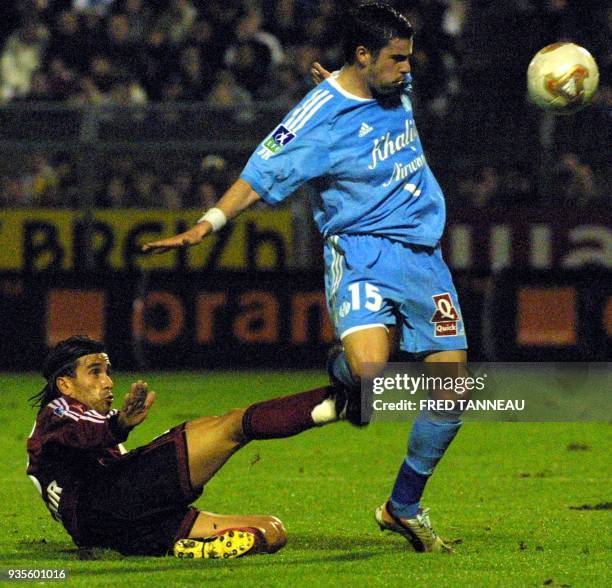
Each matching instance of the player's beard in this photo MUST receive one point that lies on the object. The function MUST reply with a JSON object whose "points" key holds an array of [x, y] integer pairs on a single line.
{"points": [[389, 96], [381, 91]]}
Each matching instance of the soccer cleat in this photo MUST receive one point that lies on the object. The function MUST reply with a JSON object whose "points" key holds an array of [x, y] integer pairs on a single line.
{"points": [[348, 399], [417, 530], [227, 544]]}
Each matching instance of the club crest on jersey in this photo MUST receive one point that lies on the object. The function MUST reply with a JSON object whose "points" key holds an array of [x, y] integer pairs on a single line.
{"points": [[278, 139], [445, 317]]}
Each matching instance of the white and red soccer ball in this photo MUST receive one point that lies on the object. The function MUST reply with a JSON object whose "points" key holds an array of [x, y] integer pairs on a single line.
{"points": [[562, 78]]}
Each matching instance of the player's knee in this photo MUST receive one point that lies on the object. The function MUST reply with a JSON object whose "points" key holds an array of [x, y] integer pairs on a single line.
{"points": [[367, 363], [233, 421], [273, 533]]}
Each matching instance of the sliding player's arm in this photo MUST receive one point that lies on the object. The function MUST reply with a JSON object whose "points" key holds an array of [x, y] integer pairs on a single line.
{"points": [[237, 198]]}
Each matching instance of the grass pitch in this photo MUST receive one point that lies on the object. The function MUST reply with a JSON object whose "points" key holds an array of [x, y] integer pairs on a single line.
{"points": [[524, 504]]}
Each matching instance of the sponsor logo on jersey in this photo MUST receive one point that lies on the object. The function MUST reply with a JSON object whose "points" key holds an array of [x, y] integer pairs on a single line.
{"points": [[388, 145], [446, 317], [365, 129], [280, 137]]}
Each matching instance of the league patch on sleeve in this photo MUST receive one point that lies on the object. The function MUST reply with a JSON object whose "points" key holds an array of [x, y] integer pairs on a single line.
{"points": [[279, 137]]}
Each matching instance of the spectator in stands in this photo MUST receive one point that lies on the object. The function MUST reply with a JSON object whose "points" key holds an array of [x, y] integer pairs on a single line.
{"points": [[145, 186], [115, 193], [138, 16], [227, 92], [169, 196], [254, 54], [68, 42], [194, 78], [87, 93], [177, 20], [40, 182], [182, 183], [202, 35], [62, 80], [21, 56], [223, 15], [248, 30], [103, 72], [93, 28], [68, 188], [100, 7], [127, 91], [285, 88], [285, 19], [39, 89], [12, 193], [125, 55]]}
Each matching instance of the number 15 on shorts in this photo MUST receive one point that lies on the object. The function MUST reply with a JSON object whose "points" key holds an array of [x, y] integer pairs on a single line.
{"points": [[367, 292]]}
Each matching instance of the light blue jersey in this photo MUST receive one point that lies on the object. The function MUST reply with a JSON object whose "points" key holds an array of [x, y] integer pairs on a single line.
{"points": [[367, 160]]}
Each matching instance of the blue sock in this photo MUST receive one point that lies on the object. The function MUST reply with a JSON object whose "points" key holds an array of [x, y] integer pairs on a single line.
{"points": [[428, 441], [342, 371]]}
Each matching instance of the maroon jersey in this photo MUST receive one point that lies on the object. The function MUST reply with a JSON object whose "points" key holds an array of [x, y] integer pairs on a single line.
{"points": [[68, 444]]}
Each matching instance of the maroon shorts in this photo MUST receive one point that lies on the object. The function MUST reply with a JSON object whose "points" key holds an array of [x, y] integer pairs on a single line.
{"points": [[139, 505]]}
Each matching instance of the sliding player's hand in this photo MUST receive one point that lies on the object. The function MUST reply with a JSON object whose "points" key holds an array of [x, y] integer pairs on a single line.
{"points": [[136, 405], [318, 73], [191, 237]]}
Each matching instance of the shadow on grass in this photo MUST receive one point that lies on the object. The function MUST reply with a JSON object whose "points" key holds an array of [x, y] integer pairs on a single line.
{"points": [[297, 552], [317, 542]]}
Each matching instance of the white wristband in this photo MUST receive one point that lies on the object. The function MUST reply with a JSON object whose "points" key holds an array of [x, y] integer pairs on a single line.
{"points": [[216, 217]]}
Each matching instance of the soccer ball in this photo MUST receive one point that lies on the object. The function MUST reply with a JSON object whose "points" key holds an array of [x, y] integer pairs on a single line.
{"points": [[562, 78]]}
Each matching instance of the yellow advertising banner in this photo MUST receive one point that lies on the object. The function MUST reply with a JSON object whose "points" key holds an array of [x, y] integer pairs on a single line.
{"points": [[44, 239]]}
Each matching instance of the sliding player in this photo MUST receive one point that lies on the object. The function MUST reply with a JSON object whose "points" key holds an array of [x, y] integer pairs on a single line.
{"points": [[138, 503]]}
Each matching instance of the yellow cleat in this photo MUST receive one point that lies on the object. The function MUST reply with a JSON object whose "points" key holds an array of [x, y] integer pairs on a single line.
{"points": [[228, 544], [417, 531]]}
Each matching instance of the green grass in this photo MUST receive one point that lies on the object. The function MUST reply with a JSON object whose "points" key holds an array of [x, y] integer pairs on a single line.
{"points": [[502, 494]]}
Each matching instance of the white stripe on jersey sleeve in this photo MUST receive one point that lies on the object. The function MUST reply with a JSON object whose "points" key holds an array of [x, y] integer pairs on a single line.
{"points": [[294, 123], [88, 415], [94, 414], [312, 112], [91, 419], [300, 116], [300, 109], [66, 407]]}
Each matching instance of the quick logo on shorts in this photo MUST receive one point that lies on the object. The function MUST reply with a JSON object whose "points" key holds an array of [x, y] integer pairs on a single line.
{"points": [[446, 316]]}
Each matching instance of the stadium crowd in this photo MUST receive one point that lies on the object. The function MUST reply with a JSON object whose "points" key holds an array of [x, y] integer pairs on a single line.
{"points": [[469, 67]]}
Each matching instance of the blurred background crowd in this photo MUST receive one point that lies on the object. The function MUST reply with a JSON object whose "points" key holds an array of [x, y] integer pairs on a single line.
{"points": [[485, 142]]}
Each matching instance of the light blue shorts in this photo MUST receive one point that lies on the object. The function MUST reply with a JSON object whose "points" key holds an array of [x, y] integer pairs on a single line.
{"points": [[374, 281]]}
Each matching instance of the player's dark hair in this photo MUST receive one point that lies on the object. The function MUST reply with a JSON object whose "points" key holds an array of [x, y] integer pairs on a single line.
{"points": [[373, 24], [62, 361]]}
